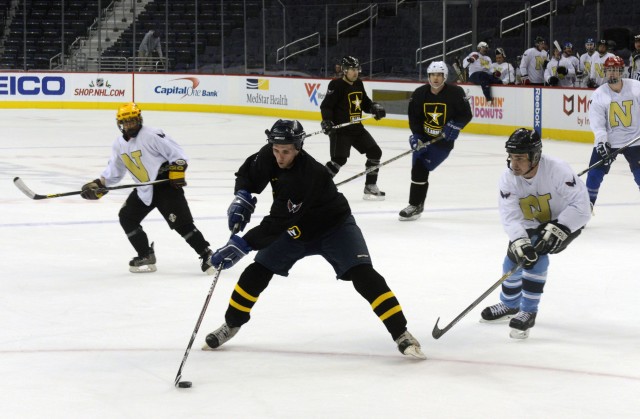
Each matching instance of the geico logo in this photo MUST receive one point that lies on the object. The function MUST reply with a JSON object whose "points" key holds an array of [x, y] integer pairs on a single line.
{"points": [[32, 85]]}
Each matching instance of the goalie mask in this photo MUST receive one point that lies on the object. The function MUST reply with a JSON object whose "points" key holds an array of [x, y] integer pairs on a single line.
{"points": [[129, 120], [525, 141], [286, 132], [435, 68], [613, 69]]}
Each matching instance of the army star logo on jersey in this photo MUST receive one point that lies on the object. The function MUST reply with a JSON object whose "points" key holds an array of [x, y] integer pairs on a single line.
{"points": [[293, 208], [436, 115]]}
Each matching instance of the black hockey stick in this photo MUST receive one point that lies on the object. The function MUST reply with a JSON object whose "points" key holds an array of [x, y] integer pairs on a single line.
{"points": [[346, 124], [27, 191], [372, 168], [436, 333], [177, 381], [613, 155]]}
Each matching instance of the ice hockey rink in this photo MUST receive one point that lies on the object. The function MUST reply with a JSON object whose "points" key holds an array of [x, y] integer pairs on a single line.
{"points": [[81, 337]]}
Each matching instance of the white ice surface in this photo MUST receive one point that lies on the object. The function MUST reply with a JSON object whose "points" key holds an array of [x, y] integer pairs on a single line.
{"points": [[81, 337]]}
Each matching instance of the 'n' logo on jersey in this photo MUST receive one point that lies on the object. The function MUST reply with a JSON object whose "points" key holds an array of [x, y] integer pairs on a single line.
{"points": [[134, 164], [355, 104], [293, 208], [620, 114], [536, 208], [435, 116]]}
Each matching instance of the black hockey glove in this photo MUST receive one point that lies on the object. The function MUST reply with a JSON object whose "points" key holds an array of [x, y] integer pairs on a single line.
{"points": [[524, 252], [591, 84], [604, 150], [451, 130], [229, 254], [553, 81], [327, 126], [553, 238], [562, 71], [177, 171], [378, 112], [240, 210], [545, 64], [93, 190]]}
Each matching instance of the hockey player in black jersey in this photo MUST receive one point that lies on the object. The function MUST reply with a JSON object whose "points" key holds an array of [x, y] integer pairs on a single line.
{"points": [[308, 217], [435, 109], [344, 102]]}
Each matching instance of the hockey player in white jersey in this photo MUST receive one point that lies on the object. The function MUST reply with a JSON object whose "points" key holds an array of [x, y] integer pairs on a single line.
{"points": [[585, 62], [480, 70], [596, 76], [149, 154], [634, 60], [502, 69], [543, 207], [614, 116], [567, 52], [534, 60], [560, 71]]}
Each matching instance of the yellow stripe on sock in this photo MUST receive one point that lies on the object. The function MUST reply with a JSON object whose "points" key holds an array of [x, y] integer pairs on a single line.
{"points": [[382, 298], [391, 312], [245, 294], [239, 306]]}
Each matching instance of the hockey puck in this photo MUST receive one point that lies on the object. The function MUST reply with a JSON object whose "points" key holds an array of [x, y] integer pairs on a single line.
{"points": [[184, 384]]}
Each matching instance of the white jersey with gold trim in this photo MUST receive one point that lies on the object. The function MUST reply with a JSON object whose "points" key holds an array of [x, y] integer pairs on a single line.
{"points": [[615, 117]]}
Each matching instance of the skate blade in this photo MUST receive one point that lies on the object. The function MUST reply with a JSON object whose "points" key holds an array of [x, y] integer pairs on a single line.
{"points": [[500, 320], [369, 197], [142, 269], [206, 347], [411, 218], [519, 334], [210, 271], [415, 352]]}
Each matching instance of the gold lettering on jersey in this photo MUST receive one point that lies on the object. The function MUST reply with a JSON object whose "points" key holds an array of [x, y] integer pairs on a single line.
{"points": [[355, 104], [536, 208], [540, 62], [134, 164], [435, 116], [294, 232], [620, 114], [599, 68]]}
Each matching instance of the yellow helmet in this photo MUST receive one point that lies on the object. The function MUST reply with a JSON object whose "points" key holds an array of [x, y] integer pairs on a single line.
{"points": [[129, 112]]}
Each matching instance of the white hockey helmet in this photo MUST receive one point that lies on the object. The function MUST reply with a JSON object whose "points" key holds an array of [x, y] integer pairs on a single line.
{"points": [[483, 45], [438, 67]]}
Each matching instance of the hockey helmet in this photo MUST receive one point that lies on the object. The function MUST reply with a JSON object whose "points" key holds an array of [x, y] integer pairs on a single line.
{"points": [[589, 44], [350, 62], [616, 63], [483, 45], [286, 132], [126, 113], [525, 141], [435, 68], [500, 51], [636, 38], [567, 45], [539, 41]]}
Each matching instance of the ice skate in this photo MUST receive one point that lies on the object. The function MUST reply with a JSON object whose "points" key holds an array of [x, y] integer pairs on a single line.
{"points": [[219, 336], [143, 264], [521, 324], [408, 345], [373, 193], [205, 262], [497, 313], [410, 213]]}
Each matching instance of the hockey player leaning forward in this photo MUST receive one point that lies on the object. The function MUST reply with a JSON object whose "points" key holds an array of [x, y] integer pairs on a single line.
{"points": [[435, 108], [308, 217], [149, 154], [543, 206]]}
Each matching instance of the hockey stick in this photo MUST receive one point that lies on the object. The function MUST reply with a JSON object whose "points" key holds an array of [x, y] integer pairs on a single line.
{"points": [[346, 124], [27, 191], [187, 384], [372, 168], [436, 333], [613, 155]]}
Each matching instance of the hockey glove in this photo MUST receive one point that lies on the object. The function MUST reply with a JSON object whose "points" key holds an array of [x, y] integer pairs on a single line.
{"points": [[525, 80], [240, 210], [553, 238], [417, 142], [377, 110], [176, 173], [524, 252], [327, 126], [553, 81], [473, 58], [497, 74], [604, 150], [591, 83], [451, 131], [562, 71], [545, 64], [93, 190], [229, 254]]}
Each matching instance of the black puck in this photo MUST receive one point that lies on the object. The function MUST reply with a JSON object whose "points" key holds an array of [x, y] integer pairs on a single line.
{"points": [[184, 384]]}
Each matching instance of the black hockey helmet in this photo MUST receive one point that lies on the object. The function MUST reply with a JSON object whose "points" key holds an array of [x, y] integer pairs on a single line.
{"points": [[350, 62], [286, 132], [539, 40], [525, 141]]}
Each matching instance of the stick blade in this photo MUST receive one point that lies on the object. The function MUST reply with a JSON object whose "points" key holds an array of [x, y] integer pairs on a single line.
{"points": [[25, 189], [437, 332]]}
